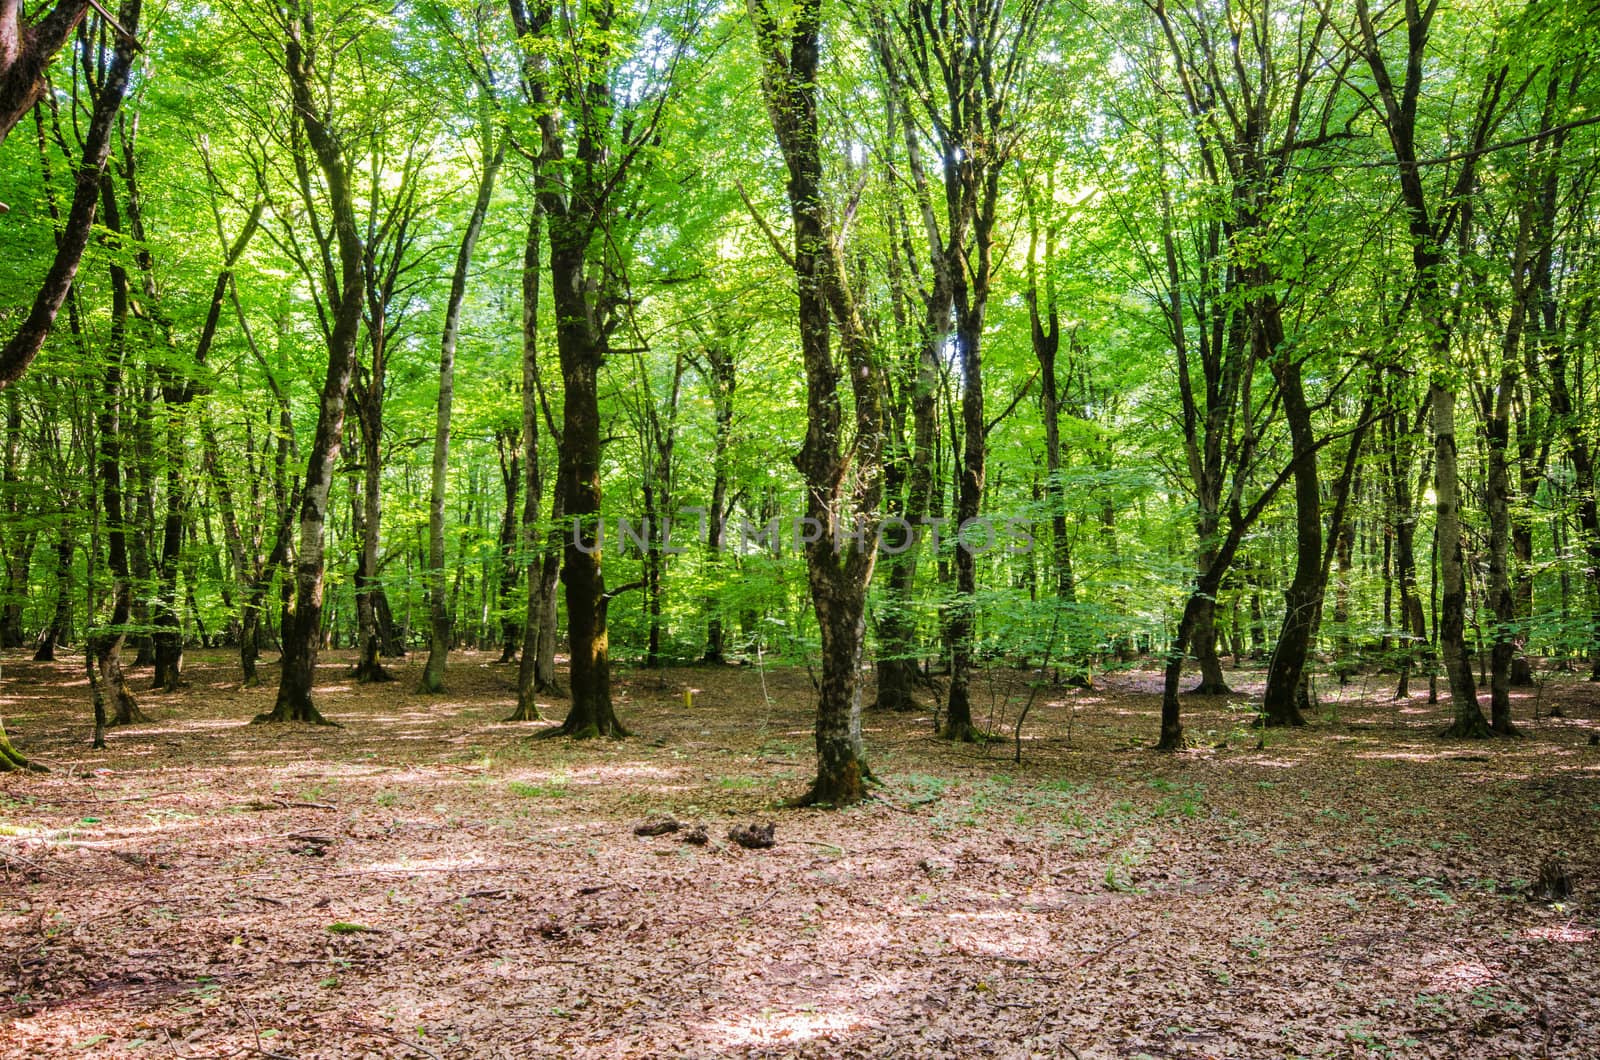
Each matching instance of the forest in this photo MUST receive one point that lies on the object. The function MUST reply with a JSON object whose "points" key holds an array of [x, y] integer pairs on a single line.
{"points": [[820, 527]]}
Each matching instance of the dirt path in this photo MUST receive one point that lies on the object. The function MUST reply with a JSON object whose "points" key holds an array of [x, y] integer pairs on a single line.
{"points": [[429, 882]]}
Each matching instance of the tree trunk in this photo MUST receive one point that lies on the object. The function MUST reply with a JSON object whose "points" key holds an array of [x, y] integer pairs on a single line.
{"points": [[508, 442], [22, 66], [1303, 599], [107, 648], [366, 525], [839, 565], [302, 633], [1469, 721], [969, 498], [60, 628], [589, 677], [439, 618], [723, 380], [18, 547], [534, 617], [1203, 633]]}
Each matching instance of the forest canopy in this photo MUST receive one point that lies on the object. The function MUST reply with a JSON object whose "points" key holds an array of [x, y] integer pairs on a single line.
{"points": [[894, 339]]}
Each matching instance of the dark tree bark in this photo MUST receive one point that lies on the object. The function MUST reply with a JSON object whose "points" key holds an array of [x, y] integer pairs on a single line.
{"points": [[962, 62], [60, 628], [20, 350], [1429, 230], [909, 469], [27, 46], [578, 197], [722, 379], [104, 650], [1302, 601], [302, 634], [840, 561], [659, 430], [1045, 331], [536, 671]]}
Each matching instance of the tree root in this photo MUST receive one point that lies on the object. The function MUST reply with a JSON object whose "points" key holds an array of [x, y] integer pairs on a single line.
{"points": [[585, 730], [1175, 740], [525, 712], [1474, 729], [13, 760], [304, 712]]}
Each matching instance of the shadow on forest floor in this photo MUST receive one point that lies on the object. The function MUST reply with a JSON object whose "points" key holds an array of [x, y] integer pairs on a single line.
{"points": [[428, 881]]}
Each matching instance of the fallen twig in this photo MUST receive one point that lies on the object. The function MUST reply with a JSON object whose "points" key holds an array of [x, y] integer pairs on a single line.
{"points": [[1101, 953], [381, 1033]]}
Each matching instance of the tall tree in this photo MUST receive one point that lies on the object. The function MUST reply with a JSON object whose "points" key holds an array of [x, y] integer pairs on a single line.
{"points": [[843, 482], [494, 151], [595, 142], [306, 52], [1432, 215]]}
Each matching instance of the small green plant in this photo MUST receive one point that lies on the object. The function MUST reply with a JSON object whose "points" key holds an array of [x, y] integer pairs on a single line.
{"points": [[555, 790], [345, 927]]}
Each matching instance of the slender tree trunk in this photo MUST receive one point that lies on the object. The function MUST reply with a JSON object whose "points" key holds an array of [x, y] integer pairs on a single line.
{"points": [[969, 499], [1203, 632], [1469, 721], [107, 651], [60, 628], [302, 634], [18, 547], [511, 481], [21, 81], [366, 526], [723, 380], [1303, 600], [534, 617], [439, 618]]}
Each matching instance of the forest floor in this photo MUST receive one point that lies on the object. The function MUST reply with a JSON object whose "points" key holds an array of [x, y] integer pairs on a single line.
{"points": [[428, 881]]}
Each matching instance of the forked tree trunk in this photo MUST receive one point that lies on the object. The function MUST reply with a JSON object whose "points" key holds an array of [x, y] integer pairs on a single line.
{"points": [[839, 562], [25, 53], [302, 634], [27, 47]]}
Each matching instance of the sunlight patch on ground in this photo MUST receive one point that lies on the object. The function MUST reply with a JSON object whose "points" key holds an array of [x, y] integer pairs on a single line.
{"points": [[1275, 763], [440, 864], [1563, 933], [1448, 974], [781, 1027], [1443, 754], [174, 727]]}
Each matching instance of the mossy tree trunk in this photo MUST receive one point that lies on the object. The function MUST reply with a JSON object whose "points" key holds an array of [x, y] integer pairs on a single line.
{"points": [[839, 558]]}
